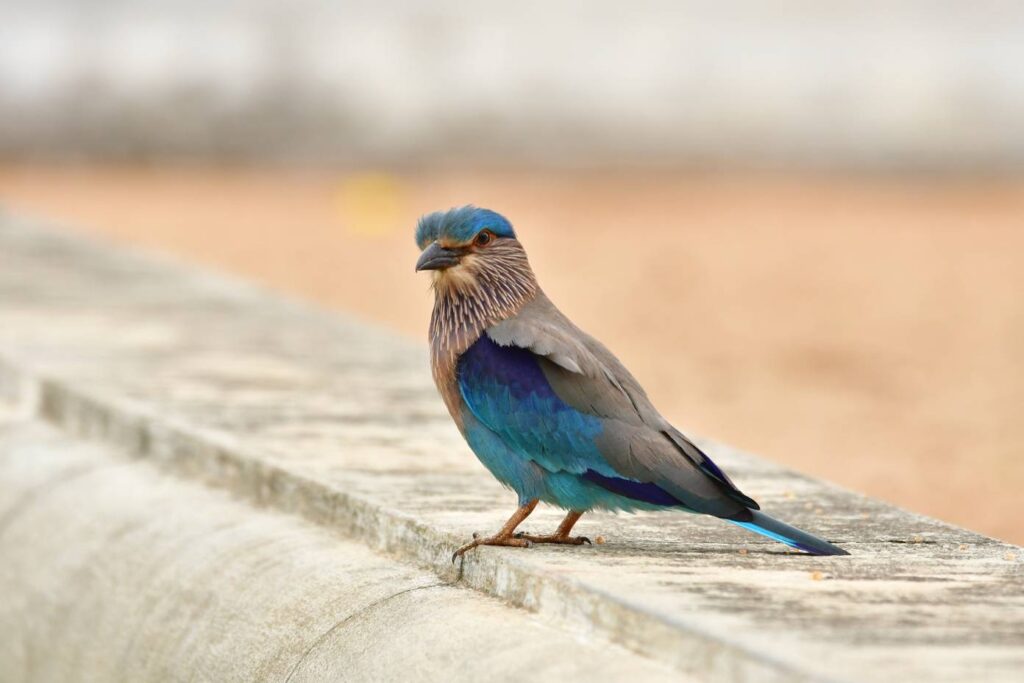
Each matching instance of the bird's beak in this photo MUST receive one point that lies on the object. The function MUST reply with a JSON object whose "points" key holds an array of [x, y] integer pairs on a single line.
{"points": [[436, 257]]}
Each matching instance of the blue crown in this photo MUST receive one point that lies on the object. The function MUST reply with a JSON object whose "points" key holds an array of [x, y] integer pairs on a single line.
{"points": [[461, 225]]}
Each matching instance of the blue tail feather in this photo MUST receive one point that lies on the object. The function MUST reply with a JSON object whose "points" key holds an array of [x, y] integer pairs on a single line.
{"points": [[765, 525]]}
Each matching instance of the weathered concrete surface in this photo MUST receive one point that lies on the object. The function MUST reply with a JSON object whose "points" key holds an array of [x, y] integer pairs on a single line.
{"points": [[314, 414], [115, 571]]}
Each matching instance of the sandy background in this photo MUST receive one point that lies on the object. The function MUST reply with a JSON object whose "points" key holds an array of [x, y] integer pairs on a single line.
{"points": [[865, 330]]}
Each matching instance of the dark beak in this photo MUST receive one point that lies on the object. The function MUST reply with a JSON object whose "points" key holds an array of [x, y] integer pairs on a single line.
{"points": [[436, 257]]}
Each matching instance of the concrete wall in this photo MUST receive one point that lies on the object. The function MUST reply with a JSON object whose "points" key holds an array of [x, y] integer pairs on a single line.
{"points": [[875, 84], [114, 571], [202, 481]]}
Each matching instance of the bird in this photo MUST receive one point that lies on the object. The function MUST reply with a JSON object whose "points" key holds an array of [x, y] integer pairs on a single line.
{"points": [[547, 408]]}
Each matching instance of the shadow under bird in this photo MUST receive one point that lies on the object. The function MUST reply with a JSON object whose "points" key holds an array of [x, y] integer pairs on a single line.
{"points": [[546, 407]]}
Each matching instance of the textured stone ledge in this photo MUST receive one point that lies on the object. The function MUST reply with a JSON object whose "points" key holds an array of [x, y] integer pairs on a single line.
{"points": [[310, 413], [145, 577]]}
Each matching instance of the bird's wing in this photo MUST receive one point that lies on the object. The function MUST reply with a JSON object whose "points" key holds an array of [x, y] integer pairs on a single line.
{"points": [[558, 397]]}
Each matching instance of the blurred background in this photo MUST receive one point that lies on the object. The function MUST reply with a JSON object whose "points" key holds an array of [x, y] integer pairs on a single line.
{"points": [[799, 223]]}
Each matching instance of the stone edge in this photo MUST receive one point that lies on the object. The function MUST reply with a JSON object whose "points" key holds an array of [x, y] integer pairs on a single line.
{"points": [[209, 457]]}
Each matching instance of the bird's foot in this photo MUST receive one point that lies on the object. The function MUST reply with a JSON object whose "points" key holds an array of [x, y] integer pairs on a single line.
{"points": [[507, 540], [559, 539]]}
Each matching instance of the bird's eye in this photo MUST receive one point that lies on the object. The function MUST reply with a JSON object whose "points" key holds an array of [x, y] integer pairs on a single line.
{"points": [[483, 238]]}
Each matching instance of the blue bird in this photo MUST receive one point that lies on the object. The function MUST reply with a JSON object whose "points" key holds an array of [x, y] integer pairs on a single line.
{"points": [[547, 408]]}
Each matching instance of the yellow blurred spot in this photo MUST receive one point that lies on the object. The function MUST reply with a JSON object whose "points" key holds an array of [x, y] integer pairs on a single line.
{"points": [[789, 494], [1010, 556], [370, 203], [817, 576], [743, 551], [599, 540]]}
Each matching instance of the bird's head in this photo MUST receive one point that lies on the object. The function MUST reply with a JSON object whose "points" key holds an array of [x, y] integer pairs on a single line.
{"points": [[474, 252]]}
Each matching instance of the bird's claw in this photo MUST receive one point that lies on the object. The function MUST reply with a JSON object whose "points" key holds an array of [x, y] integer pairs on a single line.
{"points": [[553, 539], [492, 540]]}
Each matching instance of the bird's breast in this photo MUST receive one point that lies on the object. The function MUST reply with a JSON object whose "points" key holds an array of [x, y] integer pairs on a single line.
{"points": [[444, 368]]}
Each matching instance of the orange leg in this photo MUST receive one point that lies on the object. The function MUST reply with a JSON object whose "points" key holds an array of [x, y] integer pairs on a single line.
{"points": [[561, 534], [505, 535]]}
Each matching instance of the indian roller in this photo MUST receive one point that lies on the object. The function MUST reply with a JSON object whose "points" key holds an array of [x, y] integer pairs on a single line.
{"points": [[547, 409]]}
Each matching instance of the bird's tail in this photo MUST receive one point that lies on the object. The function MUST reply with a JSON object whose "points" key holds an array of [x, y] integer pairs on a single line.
{"points": [[765, 525]]}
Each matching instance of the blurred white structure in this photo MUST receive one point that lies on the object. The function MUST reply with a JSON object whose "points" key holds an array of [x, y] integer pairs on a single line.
{"points": [[911, 83]]}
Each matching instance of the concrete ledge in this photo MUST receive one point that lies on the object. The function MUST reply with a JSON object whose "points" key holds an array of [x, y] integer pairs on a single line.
{"points": [[309, 413], [144, 577]]}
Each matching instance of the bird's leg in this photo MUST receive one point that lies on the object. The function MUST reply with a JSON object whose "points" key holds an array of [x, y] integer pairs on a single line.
{"points": [[504, 536], [561, 534]]}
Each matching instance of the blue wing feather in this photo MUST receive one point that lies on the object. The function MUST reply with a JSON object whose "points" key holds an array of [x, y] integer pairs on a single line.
{"points": [[506, 390], [645, 492], [509, 391]]}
